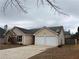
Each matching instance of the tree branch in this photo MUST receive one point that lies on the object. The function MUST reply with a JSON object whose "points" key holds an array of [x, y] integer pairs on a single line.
{"points": [[18, 4], [56, 8]]}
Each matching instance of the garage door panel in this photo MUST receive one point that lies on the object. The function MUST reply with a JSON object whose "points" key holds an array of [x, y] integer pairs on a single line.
{"points": [[52, 41], [39, 41], [49, 41]]}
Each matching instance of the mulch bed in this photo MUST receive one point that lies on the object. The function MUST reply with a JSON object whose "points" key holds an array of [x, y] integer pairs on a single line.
{"points": [[8, 46], [65, 52]]}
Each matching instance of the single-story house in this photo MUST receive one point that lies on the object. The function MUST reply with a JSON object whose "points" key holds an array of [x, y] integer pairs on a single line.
{"points": [[2, 31], [48, 36]]}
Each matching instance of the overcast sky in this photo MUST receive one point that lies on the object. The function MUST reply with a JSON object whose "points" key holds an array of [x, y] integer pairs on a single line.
{"points": [[42, 15]]}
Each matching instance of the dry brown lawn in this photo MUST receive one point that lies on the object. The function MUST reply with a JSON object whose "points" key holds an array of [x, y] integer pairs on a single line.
{"points": [[65, 52], [8, 46]]}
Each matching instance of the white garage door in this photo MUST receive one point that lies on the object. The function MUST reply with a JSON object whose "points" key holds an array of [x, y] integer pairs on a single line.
{"points": [[48, 41]]}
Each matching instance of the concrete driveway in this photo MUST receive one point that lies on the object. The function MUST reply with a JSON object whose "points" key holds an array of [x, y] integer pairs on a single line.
{"points": [[22, 52]]}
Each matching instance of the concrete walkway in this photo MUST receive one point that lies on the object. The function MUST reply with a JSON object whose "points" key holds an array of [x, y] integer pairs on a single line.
{"points": [[22, 52]]}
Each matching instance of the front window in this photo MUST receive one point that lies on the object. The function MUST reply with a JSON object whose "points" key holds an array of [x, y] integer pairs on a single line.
{"points": [[19, 38]]}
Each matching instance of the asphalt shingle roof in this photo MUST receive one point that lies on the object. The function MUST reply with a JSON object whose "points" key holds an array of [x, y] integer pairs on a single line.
{"points": [[32, 31], [66, 33], [57, 29], [24, 30]]}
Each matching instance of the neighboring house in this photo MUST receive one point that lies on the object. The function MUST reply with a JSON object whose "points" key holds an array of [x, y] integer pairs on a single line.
{"points": [[67, 35], [68, 38], [48, 36], [75, 37], [2, 31]]}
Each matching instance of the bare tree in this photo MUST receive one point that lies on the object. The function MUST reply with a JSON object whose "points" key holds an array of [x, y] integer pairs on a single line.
{"points": [[17, 4]]}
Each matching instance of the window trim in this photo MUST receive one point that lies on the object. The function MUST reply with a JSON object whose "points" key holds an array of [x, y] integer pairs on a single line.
{"points": [[19, 38]]}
